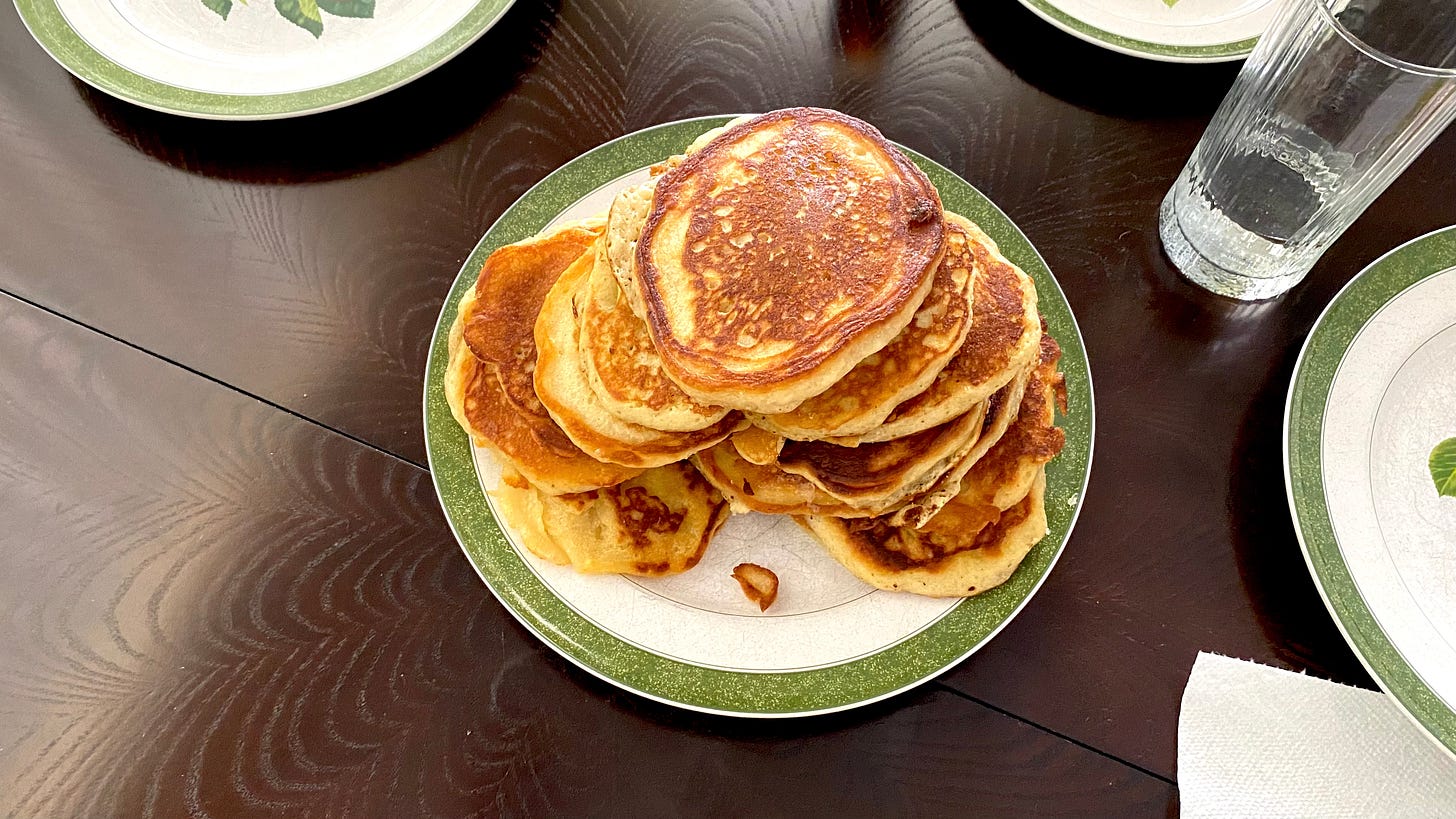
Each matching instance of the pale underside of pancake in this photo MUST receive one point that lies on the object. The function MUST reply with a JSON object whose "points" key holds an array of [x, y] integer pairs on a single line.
{"points": [[527, 440], [657, 523], [1003, 408], [949, 557], [1002, 342], [561, 384], [782, 254], [861, 401], [708, 136], [624, 227], [623, 368], [521, 510], [881, 475]]}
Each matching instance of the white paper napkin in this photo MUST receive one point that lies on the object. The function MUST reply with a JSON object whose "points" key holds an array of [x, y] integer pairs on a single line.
{"points": [[1262, 742]]}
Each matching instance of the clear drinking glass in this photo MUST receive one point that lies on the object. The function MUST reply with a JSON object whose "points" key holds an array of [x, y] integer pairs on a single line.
{"points": [[1336, 100]]}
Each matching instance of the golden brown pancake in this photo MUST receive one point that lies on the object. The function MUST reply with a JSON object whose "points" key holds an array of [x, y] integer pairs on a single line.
{"points": [[512, 285], [623, 368], [758, 445], [861, 400], [1001, 343], [1005, 473], [529, 442], [782, 254], [957, 554], [882, 474], [629, 212], [1002, 410], [657, 523], [500, 313], [766, 488], [562, 386]]}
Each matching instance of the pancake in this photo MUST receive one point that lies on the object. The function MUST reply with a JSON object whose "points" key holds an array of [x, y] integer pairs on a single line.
{"points": [[1001, 342], [529, 442], [782, 254], [657, 523], [1003, 408], [629, 212], [861, 401], [757, 445], [882, 474], [953, 556], [1005, 474], [508, 294], [766, 488], [621, 365], [624, 227], [511, 287], [561, 384], [521, 509]]}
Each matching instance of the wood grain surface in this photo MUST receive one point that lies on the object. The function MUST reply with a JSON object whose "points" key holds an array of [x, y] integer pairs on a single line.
{"points": [[214, 608], [302, 264]]}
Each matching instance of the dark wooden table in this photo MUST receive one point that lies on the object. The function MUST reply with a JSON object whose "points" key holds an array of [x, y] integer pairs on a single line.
{"points": [[228, 588]]}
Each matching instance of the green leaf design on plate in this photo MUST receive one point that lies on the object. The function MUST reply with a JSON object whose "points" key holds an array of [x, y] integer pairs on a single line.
{"points": [[1171, 3], [348, 8], [302, 13], [1443, 467]]}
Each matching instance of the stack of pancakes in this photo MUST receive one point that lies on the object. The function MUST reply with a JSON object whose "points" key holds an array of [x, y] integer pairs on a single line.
{"points": [[783, 320]]}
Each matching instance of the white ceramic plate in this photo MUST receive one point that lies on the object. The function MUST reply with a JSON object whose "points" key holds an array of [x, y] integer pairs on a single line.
{"points": [[1373, 395], [253, 59], [1188, 31], [830, 642]]}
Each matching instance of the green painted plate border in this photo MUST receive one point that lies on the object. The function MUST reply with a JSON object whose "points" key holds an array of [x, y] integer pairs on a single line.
{"points": [[1309, 390], [858, 682], [1212, 53], [49, 27]]}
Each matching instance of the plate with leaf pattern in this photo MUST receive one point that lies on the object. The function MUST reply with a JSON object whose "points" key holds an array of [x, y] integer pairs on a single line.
{"points": [[1183, 31], [1370, 464], [253, 59]]}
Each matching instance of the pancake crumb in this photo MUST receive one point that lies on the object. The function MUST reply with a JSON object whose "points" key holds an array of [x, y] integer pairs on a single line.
{"points": [[759, 585]]}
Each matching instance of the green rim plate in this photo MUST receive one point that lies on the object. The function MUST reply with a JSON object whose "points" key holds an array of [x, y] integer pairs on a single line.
{"points": [[50, 28], [1211, 53], [1314, 374], [884, 673]]}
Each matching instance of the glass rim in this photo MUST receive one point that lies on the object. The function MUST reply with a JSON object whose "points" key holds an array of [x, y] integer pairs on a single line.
{"points": [[1374, 53]]}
